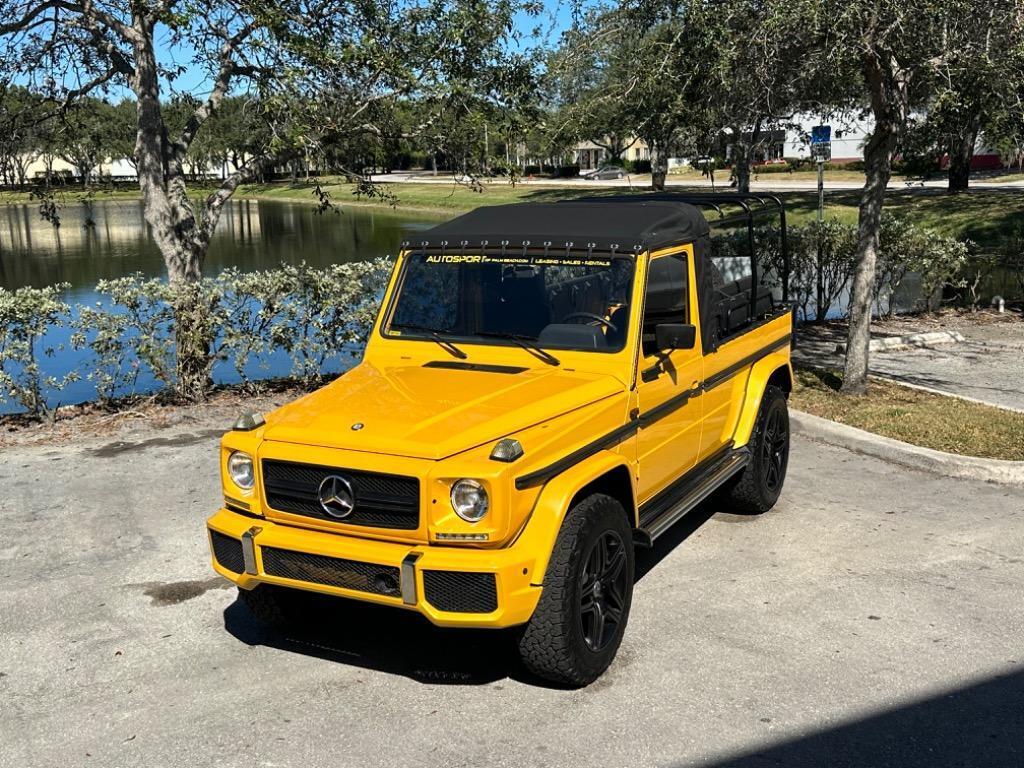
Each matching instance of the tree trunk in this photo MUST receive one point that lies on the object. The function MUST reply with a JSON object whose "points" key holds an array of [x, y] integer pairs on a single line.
{"points": [[172, 220], [659, 167], [878, 168], [961, 153], [741, 166]]}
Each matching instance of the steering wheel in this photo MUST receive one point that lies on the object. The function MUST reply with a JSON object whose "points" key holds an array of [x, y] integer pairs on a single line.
{"points": [[593, 318]]}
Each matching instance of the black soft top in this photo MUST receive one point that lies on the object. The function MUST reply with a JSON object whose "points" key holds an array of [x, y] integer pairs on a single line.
{"points": [[624, 224], [628, 227]]}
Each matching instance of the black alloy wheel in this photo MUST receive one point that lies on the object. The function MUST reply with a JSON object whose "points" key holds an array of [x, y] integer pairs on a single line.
{"points": [[602, 590], [757, 487], [775, 448]]}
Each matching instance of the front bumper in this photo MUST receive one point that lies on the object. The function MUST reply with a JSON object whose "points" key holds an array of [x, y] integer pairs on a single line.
{"points": [[451, 586]]}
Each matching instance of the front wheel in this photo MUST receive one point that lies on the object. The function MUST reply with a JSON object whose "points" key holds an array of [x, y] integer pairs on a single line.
{"points": [[758, 486], [578, 625]]}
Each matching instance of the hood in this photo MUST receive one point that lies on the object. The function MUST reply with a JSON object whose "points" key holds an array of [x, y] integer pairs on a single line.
{"points": [[431, 413]]}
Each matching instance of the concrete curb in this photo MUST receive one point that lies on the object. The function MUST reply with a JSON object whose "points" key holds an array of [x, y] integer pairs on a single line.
{"points": [[905, 454], [925, 340]]}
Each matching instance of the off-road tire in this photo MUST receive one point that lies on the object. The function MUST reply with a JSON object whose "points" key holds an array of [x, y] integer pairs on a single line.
{"points": [[756, 489], [553, 645], [275, 606]]}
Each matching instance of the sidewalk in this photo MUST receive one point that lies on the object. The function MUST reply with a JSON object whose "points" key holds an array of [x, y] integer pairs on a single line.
{"points": [[988, 366]]}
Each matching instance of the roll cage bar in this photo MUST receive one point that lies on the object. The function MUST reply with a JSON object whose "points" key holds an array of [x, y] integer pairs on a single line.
{"points": [[752, 208]]}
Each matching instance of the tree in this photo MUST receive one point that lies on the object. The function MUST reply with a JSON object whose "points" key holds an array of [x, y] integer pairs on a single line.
{"points": [[121, 133], [87, 134], [976, 79], [24, 128], [640, 68], [588, 103], [293, 57], [749, 82], [885, 53]]}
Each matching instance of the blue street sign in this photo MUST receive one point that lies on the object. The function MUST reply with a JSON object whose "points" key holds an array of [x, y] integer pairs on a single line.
{"points": [[821, 134]]}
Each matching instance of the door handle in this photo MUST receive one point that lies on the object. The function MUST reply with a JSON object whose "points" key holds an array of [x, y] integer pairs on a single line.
{"points": [[652, 373]]}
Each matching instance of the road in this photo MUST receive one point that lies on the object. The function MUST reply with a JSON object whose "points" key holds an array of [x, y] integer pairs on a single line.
{"points": [[872, 619], [642, 182]]}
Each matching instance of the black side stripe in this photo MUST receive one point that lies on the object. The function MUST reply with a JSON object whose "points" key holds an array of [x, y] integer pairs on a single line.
{"points": [[727, 373], [617, 435]]}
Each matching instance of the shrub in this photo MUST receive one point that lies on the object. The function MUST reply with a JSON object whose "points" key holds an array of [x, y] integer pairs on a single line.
{"points": [[937, 260], [26, 315], [132, 332], [318, 317]]}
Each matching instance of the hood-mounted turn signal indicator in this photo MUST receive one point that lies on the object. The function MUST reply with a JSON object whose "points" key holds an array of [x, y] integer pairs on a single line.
{"points": [[507, 450]]}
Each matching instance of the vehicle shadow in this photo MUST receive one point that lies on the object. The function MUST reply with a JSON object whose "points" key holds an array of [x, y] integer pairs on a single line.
{"points": [[386, 639], [979, 724], [405, 643]]}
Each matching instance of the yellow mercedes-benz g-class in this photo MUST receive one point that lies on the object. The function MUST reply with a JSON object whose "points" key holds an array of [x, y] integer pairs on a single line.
{"points": [[546, 388]]}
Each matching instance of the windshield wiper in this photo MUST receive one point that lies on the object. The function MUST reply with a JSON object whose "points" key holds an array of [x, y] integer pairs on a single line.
{"points": [[442, 342], [529, 343]]}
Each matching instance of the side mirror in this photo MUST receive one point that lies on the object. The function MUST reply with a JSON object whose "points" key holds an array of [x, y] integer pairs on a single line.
{"points": [[669, 336]]}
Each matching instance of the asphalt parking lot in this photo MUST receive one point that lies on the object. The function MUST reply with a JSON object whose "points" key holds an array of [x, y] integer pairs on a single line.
{"points": [[874, 618]]}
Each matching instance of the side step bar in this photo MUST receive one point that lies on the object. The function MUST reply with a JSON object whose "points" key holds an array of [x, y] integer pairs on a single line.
{"points": [[672, 504]]}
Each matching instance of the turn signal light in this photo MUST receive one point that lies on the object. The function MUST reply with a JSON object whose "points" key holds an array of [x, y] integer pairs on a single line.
{"points": [[507, 450]]}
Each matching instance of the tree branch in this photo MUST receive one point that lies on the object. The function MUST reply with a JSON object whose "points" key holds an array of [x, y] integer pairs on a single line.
{"points": [[215, 201], [228, 69], [33, 13]]}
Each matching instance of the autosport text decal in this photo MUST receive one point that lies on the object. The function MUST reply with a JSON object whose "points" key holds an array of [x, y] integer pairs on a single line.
{"points": [[455, 258]]}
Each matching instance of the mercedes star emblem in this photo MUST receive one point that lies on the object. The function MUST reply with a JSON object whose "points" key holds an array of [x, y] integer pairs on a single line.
{"points": [[337, 498]]}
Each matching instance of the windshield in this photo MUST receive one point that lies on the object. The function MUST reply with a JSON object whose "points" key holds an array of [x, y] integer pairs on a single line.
{"points": [[557, 302]]}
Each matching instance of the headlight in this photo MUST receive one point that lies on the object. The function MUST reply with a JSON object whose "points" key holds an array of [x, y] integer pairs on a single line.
{"points": [[240, 470], [469, 500]]}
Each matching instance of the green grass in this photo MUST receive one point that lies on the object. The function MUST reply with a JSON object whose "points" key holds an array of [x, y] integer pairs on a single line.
{"points": [[921, 418], [985, 216]]}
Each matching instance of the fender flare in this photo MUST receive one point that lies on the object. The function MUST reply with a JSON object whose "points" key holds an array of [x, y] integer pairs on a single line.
{"points": [[552, 505], [760, 374]]}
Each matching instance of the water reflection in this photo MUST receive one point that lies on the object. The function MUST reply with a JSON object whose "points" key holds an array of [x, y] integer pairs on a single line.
{"points": [[251, 235]]}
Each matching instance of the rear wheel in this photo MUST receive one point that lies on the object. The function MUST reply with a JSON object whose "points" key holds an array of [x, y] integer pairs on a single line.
{"points": [[575, 632], [758, 486]]}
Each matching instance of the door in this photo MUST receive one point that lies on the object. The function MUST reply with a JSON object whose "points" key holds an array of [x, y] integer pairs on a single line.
{"points": [[670, 403]]}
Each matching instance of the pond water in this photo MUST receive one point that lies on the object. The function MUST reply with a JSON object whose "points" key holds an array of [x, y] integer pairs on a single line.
{"points": [[251, 235]]}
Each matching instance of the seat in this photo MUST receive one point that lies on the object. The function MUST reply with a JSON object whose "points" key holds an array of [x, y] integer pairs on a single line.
{"points": [[524, 304], [620, 319]]}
